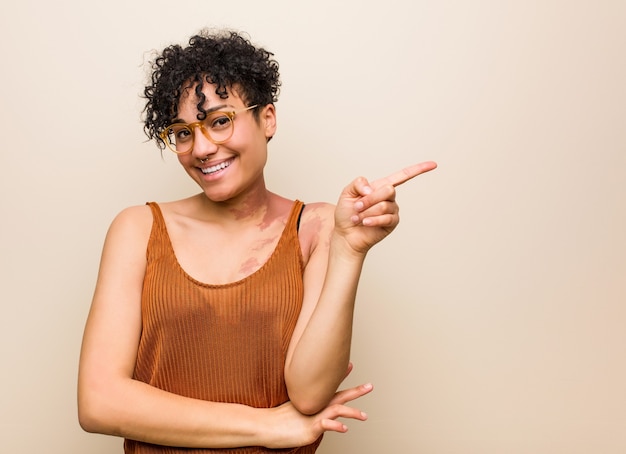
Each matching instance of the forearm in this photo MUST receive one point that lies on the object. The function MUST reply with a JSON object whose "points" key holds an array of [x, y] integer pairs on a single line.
{"points": [[320, 359], [136, 410]]}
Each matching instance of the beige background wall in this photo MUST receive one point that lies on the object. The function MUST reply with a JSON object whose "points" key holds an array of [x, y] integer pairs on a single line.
{"points": [[492, 321]]}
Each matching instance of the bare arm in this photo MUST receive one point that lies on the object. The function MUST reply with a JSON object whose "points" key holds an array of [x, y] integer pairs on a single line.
{"points": [[110, 401], [320, 348]]}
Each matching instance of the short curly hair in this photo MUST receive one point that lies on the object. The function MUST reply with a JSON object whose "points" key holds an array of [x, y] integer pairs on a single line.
{"points": [[224, 58]]}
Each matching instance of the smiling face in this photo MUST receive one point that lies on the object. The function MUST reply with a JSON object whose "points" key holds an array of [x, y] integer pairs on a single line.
{"points": [[234, 169]]}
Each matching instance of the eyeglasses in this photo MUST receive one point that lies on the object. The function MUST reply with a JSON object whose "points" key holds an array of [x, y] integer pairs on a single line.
{"points": [[218, 127]]}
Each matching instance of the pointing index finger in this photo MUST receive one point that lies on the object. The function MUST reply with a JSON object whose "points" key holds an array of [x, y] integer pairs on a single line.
{"points": [[404, 175]]}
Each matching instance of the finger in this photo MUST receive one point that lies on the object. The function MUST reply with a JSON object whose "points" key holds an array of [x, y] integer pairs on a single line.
{"points": [[389, 221], [404, 175], [350, 394], [382, 200], [359, 187], [333, 426], [342, 411], [377, 207], [383, 214]]}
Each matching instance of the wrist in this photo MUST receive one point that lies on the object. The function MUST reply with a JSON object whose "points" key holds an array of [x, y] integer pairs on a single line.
{"points": [[266, 428], [273, 426], [341, 248]]}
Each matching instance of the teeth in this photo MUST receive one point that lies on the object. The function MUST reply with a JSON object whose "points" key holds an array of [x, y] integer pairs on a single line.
{"points": [[214, 169]]}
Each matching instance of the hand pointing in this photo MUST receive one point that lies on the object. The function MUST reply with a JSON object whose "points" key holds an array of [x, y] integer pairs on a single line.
{"points": [[367, 212]]}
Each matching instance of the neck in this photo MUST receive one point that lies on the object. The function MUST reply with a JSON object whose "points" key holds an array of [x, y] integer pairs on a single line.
{"points": [[251, 207]]}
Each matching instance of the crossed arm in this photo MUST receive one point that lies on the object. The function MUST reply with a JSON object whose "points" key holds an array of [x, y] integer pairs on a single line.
{"points": [[110, 401], [320, 349]]}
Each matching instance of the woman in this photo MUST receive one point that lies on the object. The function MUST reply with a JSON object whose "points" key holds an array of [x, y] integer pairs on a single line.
{"points": [[222, 322]]}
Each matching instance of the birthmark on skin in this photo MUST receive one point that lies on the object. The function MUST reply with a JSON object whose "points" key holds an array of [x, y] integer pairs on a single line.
{"points": [[262, 244], [249, 210], [243, 213], [266, 222], [314, 224], [249, 266]]}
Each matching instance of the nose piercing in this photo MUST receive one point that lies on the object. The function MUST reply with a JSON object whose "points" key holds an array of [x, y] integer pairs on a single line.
{"points": [[203, 160]]}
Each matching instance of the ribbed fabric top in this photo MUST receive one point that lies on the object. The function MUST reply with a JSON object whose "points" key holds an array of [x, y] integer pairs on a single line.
{"points": [[221, 343]]}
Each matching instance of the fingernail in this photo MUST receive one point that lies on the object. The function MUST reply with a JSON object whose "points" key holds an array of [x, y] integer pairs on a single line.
{"points": [[358, 206], [355, 219], [367, 190], [367, 386], [364, 415]]}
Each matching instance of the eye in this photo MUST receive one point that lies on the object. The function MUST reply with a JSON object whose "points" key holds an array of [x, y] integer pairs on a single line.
{"points": [[179, 134], [219, 120]]}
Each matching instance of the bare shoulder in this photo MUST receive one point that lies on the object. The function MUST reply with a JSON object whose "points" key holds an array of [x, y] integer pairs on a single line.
{"points": [[132, 225], [318, 211], [316, 225], [135, 214]]}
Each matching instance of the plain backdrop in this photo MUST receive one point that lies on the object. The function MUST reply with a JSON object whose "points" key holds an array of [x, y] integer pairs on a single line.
{"points": [[492, 321]]}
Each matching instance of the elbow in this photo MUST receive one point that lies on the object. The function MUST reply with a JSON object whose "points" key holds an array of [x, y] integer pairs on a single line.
{"points": [[87, 418], [87, 421], [308, 404], [95, 412], [308, 408], [309, 397], [90, 416]]}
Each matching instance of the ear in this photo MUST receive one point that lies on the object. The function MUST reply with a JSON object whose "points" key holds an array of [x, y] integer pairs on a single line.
{"points": [[268, 120]]}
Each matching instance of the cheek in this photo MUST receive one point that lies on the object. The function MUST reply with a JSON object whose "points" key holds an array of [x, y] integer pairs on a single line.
{"points": [[186, 160], [248, 144]]}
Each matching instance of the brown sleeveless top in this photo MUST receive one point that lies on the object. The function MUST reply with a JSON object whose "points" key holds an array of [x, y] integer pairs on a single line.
{"points": [[221, 343]]}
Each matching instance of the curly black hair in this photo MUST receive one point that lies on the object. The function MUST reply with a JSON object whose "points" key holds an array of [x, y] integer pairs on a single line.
{"points": [[224, 58]]}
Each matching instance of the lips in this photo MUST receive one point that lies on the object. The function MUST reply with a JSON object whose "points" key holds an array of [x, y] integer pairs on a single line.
{"points": [[216, 168]]}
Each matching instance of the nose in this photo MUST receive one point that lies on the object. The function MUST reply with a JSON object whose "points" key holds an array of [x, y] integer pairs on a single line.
{"points": [[202, 146]]}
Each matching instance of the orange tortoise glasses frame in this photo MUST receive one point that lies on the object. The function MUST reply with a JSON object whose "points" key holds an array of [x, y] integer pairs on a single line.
{"points": [[218, 127]]}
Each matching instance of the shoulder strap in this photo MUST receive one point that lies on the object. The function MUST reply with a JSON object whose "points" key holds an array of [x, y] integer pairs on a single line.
{"points": [[157, 215], [299, 215], [159, 243]]}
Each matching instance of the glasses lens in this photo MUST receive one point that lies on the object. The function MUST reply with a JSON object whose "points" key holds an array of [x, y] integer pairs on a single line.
{"points": [[219, 125], [179, 138]]}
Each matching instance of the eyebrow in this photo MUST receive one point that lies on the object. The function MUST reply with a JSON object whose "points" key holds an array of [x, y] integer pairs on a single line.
{"points": [[208, 111]]}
